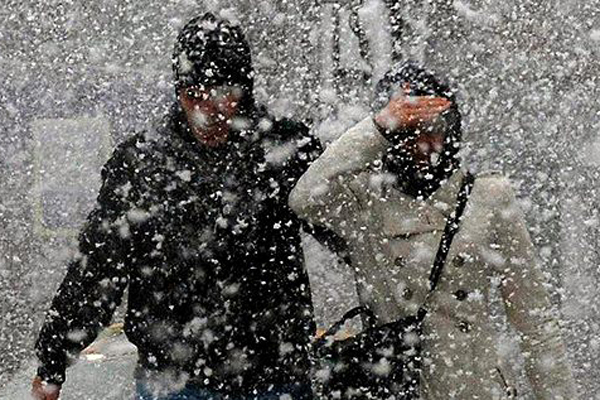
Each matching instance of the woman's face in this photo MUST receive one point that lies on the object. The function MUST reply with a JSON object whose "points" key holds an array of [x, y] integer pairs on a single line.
{"points": [[416, 124], [426, 147]]}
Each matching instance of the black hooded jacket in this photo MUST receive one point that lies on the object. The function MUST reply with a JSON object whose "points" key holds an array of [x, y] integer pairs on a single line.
{"points": [[203, 237], [210, 251]]}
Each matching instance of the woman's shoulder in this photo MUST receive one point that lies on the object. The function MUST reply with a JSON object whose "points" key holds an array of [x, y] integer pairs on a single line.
{"points": [[493, 188]]}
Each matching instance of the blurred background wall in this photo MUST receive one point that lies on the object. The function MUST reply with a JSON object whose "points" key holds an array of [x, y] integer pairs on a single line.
{"points": [[77, 77]]}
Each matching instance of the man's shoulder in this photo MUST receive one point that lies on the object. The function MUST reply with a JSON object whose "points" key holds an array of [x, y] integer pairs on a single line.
{"points": [[131, 148], [156, 138], [291, 134], [282, 129], [290, 125], [273, 128], [134, 153]]}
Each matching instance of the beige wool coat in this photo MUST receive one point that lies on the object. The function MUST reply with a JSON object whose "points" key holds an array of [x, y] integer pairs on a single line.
{"points": [[392, 241]]}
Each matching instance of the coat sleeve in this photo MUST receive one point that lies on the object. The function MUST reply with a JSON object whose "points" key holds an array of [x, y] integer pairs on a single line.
{"points": [[95, 279], [323, 195], [527, 301]]}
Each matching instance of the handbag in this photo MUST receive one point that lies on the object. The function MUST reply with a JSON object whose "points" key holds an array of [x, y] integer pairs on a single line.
{"points": [[382, 362]]}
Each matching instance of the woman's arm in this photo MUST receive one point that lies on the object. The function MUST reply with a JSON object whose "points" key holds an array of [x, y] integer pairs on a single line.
{"points": [[527, 302], [323, 195]]}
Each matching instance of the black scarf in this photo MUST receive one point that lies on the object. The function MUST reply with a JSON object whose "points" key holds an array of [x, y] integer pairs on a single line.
{"points": [[415, 180]]}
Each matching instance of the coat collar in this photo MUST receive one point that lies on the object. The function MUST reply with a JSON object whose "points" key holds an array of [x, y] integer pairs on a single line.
{"points": [[403, 215], [444, 199]]}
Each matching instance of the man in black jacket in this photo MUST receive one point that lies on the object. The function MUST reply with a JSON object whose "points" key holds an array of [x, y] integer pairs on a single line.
{"points": [[193, 217]]}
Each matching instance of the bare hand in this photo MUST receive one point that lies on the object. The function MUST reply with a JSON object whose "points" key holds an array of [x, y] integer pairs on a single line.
{"points": [[41, 390], [405, 111]]}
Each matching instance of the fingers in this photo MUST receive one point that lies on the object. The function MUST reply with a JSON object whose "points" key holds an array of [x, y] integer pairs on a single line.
{"points": [[37, 392], [420, 104], [411, 110], [55, 394], [41, 390], [421, 101]]}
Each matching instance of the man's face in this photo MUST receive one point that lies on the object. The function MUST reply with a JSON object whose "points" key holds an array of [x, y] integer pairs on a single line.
{"points": [[210, 111]]}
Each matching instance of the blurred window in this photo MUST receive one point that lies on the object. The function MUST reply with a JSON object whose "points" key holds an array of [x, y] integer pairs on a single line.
{"points": [[68, 158]]}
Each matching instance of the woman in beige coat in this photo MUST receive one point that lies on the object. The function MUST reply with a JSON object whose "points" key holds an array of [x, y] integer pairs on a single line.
{"points": [[387, 193]]}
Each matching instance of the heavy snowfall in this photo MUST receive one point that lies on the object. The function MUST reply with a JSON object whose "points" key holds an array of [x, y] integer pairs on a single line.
{"points": [[78, 78]]}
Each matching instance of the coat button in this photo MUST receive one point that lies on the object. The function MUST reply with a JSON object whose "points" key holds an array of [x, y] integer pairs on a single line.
{"points": [[399, 262], [464, 326], [407, 294], [460, 295], [459, 261]]}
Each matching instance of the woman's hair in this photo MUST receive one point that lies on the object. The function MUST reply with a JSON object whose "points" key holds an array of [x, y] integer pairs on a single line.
{"points": [[420, 81]]}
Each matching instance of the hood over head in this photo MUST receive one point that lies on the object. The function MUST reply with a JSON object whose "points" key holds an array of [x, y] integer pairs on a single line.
{"points": [[411, 179], [211, 51]]}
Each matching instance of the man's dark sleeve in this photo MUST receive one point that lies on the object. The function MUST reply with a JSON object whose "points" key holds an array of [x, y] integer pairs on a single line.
{"points": [[95, 279], [309, 148]]}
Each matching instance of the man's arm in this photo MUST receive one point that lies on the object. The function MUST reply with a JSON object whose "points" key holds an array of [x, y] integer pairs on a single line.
{"points": [[96, 278], [527, 302]]}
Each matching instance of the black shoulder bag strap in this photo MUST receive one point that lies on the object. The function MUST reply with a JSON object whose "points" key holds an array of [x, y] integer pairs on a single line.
{"points": [[452, 225], [450, 230]]}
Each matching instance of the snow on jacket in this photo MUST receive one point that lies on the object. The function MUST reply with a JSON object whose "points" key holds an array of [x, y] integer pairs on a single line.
{"points": [[392, 240], [210, 251]]}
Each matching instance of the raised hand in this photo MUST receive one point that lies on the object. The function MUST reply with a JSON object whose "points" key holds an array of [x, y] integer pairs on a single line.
{"points": [[404, 111]]}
